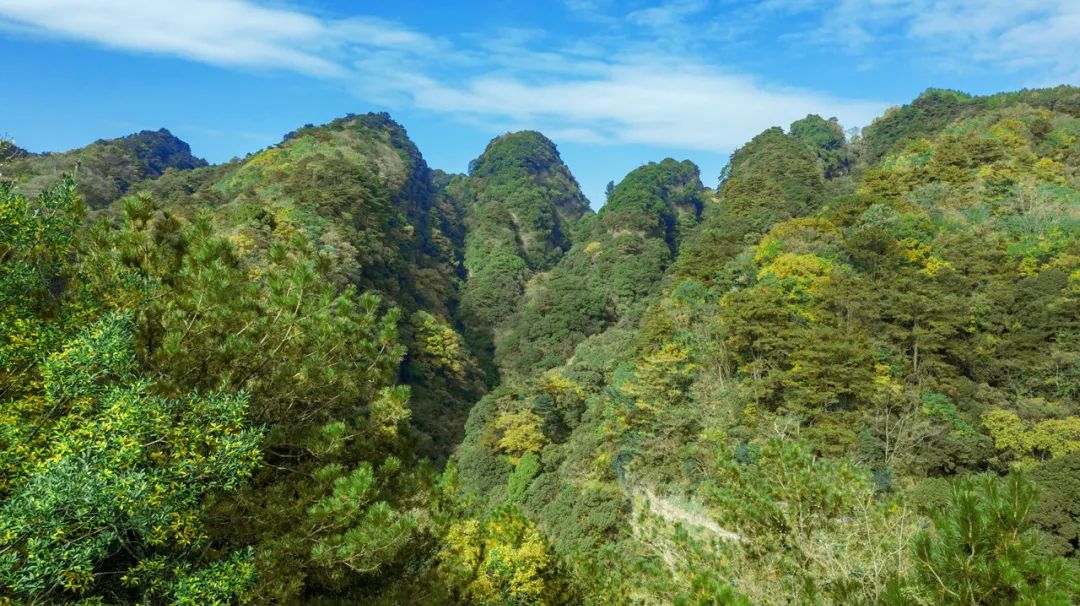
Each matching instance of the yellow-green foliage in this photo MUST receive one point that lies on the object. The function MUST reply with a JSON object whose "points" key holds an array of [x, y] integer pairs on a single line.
{"points": [[107, 169], [518, 432], [660, 380], [94, 461], [500, 560], [239, 385], [441, 344], [1028, 442]]}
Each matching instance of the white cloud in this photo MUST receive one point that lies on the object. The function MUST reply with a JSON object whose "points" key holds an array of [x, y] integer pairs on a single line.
{"points": [[586, 91], [1015, 34], [647, 101], [610, 87], [595, 11], [232, 33], [1038, 36], [667, 14]]}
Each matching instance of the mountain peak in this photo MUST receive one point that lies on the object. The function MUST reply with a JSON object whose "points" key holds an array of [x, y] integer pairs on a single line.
{"points": [[161, 150], [528, 151], [108, 168]]}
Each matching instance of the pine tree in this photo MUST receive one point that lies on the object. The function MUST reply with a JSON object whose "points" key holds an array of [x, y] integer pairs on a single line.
{"points": [[982, 551]]}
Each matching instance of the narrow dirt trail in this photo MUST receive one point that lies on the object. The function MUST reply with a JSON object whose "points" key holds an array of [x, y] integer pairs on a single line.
{"points": [[673, 513]]}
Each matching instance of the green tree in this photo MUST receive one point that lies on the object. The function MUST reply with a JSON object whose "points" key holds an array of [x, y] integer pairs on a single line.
{"points": [[826, 138], [502, 560], [105, 482], [982, 550]]}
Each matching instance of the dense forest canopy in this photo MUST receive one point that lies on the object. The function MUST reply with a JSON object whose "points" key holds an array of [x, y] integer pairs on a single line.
{"points": [[106, 169], [329, 374]]}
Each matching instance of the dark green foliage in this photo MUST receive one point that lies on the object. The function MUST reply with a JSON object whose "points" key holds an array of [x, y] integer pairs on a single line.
{"points": [[772, 178], [303, 350], [106, 169], [826, 138], [513, 155], [776, 393], [651, 200], [331, 509], [610, 272], [530, 193], [982, 551], [357, 197], [926, 115], [521, 204], [1057, 512], [564, 310], [442, 375]]}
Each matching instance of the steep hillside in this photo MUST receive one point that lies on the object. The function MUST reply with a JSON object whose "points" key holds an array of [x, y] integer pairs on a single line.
{"points": [[361, 195], [848, 376], [247, 364], [935, 109], [772, 178], [521, 206], [616, 264], [106, 169], [825, 350]]}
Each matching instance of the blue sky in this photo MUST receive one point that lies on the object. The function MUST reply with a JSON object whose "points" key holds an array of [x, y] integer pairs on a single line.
{"points": [[614, 84]]}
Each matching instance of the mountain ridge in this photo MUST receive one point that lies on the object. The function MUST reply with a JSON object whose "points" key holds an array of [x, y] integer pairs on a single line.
{"points": [[108, 167], [326, 373]]}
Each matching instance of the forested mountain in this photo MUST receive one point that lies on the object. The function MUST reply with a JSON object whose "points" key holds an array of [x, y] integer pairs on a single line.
{"points": [[106, 169], [849, 375], [521, 204]]}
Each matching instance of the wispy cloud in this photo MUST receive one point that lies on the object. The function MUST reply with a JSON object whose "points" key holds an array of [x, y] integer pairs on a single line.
{"points": [[640, 78], [231, 33], [667, 14], [595, 11], [646, 101], [1038, 36]]}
